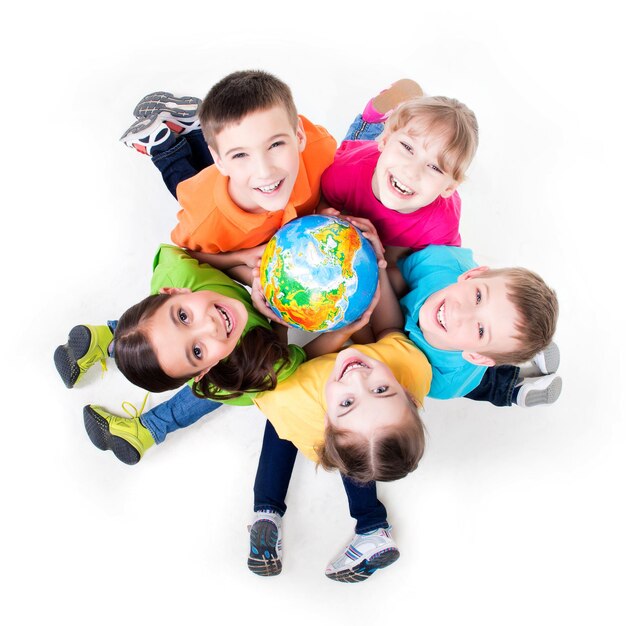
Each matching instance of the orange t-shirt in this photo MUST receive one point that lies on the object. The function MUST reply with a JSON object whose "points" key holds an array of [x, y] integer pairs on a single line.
{"points": [[209, 221]]}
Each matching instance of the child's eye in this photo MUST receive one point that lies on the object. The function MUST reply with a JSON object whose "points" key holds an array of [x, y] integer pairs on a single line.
{"points": [[239, 155], [435, 168], [182, 316], [276, 144], [479, 296], [406, 146], [346, 403], [197, 352], [381, 389], [481, 331]]}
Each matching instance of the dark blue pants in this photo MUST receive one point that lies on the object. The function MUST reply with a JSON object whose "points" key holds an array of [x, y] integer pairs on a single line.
{"points": [[274, 473], [497, 385], [185, 159]]}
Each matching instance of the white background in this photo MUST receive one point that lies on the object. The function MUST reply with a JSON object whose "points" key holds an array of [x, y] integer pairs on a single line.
{"points": [[514, 516]]}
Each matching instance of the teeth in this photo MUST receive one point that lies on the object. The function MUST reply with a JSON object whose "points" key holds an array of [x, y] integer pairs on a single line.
{"points": [[352, 366], [400, 187], [269, 188], [227, 320], [441, 316]]}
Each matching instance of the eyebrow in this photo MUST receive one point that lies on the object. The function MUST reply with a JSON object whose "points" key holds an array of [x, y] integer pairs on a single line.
{"points": [[269, 140], [176, 322], [484, 292], [378, 396]]}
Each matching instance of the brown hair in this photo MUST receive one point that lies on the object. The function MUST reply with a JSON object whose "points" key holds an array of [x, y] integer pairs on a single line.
{"points": [[538, 310], [445, 117], [240, 94], [389, 454], [253, 365]]}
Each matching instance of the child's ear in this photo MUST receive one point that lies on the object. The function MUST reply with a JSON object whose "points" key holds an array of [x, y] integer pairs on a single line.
{"points": [[197, 378], [448, 191], [473, 273], [478, 359], [173, 291], [382, 141], [300, 136], [219, 164]]}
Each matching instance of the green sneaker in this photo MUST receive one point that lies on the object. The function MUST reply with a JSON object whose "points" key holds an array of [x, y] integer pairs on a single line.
{"points": [[85, 346], [127, 437]]}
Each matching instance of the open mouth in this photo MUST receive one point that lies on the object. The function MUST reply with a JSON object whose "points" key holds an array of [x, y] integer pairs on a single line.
{"points": [[270, 188], [441, 315], [229, 322], [401, 188], [351, 364]]}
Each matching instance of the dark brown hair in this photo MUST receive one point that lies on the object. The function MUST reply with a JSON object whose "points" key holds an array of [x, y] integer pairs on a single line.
{"points": [[240, 94], [389, 454], [253, 365]]}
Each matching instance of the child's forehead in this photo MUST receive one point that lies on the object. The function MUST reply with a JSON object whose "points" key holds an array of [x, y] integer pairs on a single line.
{"points": [[429, 131]]}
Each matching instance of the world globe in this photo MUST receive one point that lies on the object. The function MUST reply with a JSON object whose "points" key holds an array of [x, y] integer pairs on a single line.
{"points": [[318, 273]]}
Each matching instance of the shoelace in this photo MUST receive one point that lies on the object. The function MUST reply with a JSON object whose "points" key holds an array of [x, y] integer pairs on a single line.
{"points": [[128, 406]]}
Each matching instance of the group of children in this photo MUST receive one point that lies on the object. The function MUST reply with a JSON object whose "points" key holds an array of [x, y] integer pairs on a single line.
{"points": [[242, 163]]}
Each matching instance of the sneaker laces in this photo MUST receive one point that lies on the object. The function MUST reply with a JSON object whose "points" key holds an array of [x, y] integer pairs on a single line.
{"points": [[127, 407]]}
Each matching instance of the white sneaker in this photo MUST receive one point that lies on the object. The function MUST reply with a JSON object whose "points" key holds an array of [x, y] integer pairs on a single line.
{"points": [[542, 390], [544, 362], [363, 556], [266, 550]]}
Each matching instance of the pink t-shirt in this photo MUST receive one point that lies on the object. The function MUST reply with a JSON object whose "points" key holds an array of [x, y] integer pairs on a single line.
{"points": [[347, 186]]}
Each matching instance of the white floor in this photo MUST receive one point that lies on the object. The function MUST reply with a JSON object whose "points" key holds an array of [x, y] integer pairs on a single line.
{"points": [[514, 516]]}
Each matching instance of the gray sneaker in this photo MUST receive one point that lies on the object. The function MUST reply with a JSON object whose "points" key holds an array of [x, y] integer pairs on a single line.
{"points": [[179, 113], [363, 556], [266, 550], [541, 390]]}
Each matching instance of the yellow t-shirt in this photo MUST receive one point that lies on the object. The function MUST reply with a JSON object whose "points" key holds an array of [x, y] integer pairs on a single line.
{"points": [[297, 407]]}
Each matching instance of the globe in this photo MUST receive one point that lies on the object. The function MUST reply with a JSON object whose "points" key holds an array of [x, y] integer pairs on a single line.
{"points": [[318, 273]]}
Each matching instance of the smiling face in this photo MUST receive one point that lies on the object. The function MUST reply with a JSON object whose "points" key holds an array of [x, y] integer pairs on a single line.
{"points": [[193, 331], [261, 156], [473, 315], [362, 395], [410, 173]]}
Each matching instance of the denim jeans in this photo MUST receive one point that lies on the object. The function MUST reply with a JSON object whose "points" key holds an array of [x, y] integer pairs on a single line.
{"points": [[497, 385], [274, 473], [363, 131], [185, 159]]}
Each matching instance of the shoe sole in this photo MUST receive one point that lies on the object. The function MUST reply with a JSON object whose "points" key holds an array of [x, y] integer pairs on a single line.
{"points": [[263, 559], [549, 395], [154, 103], [98, 431], [552, 358], [366, 568], [65, 356]]}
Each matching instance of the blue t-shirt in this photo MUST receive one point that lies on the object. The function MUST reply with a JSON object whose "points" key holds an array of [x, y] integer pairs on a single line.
{"points": [[426, 272]]}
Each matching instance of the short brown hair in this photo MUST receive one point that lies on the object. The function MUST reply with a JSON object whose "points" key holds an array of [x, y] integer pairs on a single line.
{"points": [[240, 94], [390, 454], [448, 118], [538, 310]]}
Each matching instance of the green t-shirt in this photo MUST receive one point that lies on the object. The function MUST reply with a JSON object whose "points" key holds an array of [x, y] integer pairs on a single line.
{"points": [[173, 267]]}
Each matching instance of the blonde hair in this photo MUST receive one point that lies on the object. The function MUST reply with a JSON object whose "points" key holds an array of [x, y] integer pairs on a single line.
{"points": [[445, 117], [239, 94], [389, 454], [538, 310]]}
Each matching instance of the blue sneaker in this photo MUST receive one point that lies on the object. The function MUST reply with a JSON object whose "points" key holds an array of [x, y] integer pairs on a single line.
{"points": [[266, 550], [363, 556]]}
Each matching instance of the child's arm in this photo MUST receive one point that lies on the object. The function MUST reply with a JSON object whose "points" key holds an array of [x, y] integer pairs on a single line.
{"points": [[237, 264]]}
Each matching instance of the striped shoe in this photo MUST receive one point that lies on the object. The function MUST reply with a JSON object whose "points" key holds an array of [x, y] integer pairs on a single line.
{"points": [[266, 550], [363, 556]]}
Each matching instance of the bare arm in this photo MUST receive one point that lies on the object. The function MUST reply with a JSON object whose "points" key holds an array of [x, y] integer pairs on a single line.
{"points": [[237, 264]]}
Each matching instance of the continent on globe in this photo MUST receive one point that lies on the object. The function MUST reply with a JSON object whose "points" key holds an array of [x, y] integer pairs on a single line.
{"points": [[319, 273]]}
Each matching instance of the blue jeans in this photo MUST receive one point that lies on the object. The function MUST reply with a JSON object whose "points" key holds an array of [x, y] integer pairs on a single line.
{"points": [[497, 386], [185, 159], [363, 131], [180, 411], [274, 473]]}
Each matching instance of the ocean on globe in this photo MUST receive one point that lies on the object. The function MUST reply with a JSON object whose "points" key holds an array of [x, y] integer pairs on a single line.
{"points": [[319, 273]]}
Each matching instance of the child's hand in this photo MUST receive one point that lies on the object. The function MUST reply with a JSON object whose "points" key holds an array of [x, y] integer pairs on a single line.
{"points": [[252, 256], [329, 211], [369, 232], [258, 299], [350, 329]]}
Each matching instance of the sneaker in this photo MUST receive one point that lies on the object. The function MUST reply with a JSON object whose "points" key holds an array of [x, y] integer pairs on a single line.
{"points": [[86, 345], [547, 361], [179, 114], [365, 554], [541, 390], [266, 550], [126, 437], [147, 134]]}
